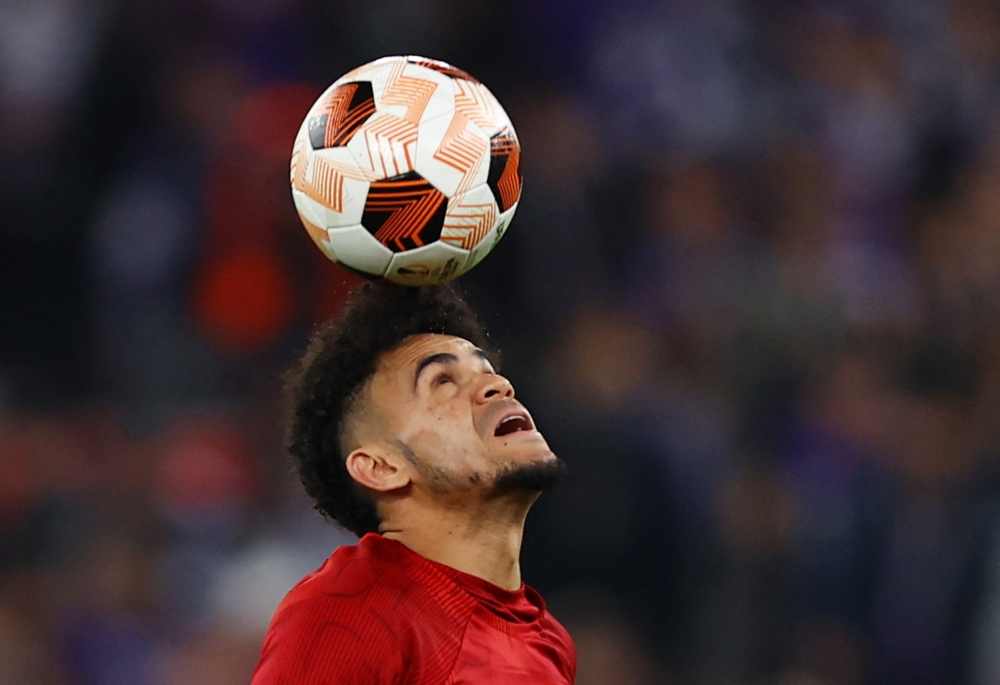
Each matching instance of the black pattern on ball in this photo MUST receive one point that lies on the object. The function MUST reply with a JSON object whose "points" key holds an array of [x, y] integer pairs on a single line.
{"points": [[343, 112], [504, 179], [404, 212]]}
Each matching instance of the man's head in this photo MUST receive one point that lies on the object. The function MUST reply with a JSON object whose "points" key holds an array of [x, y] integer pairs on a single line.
{"points": [[398, 397]]}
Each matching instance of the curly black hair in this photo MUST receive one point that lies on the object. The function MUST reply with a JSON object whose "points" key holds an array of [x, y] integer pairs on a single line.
{"points": [[339, 361]]}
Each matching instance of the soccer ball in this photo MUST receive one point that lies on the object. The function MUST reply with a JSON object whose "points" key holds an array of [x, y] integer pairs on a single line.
{"points": [[407, 169]]}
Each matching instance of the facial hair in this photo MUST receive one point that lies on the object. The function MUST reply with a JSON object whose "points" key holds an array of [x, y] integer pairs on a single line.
{"points": [[532, 477], [529, 477], [438, 480]]}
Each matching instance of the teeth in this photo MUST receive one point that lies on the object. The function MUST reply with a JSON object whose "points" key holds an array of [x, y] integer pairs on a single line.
{"points": [[521, 421]]}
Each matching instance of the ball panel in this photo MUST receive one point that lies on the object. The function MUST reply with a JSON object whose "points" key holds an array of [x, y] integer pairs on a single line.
{"points": [[470, 216], [422, 93], [412, 92], [477, 104], [404, 212], [331, 179], [385, 146], [505, 169], [452, 153], [309, 209], [300, 158], [434, 263], [356, 248], [500, 118], [339, 113], [490, 240], [376, 73], [317, 233]]}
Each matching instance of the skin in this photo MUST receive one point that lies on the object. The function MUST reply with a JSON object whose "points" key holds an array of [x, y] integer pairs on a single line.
{"points": [[425, 445]]}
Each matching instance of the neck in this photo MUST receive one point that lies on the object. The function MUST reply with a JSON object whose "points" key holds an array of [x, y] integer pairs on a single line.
{"points": [[485, 543]]}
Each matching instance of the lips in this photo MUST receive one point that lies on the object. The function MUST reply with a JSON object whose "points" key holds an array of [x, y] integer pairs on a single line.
{"points": [[514, 421]]}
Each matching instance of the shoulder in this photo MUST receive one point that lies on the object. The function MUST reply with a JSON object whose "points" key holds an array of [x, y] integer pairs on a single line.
{"points": [[375, 573], [561, 644], [560, 637], [356, 619], [360, 587]]}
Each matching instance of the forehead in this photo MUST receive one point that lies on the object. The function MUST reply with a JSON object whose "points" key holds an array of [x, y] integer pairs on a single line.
{"points": [[405, 356]]}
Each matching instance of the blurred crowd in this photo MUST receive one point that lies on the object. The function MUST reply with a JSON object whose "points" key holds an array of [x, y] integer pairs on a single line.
{"points": [[752, 296]]}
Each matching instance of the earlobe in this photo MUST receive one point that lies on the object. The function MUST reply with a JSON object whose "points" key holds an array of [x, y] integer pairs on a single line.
{"points": [[375, 467]]}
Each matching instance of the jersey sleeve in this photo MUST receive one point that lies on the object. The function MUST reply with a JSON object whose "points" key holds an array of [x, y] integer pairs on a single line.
{"points": [[331, 641]]}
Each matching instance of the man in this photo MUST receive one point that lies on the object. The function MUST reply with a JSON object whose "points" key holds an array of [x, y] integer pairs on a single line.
{"points": [[406, 435]]}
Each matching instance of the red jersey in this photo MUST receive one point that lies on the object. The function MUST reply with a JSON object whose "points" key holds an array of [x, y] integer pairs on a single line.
{"points": [[377, 612]]}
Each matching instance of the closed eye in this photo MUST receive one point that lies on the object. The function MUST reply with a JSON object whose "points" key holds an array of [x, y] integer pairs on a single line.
{"points": [[443, 378]]}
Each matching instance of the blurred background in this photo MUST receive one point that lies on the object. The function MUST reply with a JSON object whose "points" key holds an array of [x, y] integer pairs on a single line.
{"points": [[752, 296]]}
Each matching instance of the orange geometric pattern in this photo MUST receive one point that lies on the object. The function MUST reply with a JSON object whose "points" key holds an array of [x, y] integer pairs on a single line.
{"points": [[505, 172], [472, 102], [404, 212], [465, 225], [299, 163], [327, 183], [408, 91], [390, 140], [462, 150], [342, 112], [390, 143]]}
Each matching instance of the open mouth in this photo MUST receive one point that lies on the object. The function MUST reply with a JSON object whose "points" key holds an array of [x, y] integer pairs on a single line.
{"points": [[514, 423]]}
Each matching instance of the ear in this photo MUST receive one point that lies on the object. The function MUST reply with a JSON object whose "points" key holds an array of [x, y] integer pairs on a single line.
{"points": [[378, 467]]}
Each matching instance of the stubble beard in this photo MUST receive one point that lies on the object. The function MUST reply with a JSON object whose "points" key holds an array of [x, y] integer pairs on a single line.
{"points": [[530, 478]]}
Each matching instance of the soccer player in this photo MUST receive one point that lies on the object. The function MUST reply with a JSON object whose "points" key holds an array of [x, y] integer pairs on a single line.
{"points": [[405, 434]]}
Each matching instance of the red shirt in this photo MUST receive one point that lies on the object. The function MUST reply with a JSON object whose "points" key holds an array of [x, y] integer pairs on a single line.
{"points": [[379, 613]]}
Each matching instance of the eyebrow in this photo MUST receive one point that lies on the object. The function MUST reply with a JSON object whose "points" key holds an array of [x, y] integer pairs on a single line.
{"points": [[441, 358]]}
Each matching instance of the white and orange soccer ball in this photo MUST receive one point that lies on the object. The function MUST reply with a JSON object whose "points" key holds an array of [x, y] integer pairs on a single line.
{"points": [[406, 168]]}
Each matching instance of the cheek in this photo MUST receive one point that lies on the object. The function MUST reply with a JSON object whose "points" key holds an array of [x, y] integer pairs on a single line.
{"points": [[448, 418], [442, 432]]}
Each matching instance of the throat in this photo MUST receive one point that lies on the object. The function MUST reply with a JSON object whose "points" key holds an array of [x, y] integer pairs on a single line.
{"points": [[488, 550]]}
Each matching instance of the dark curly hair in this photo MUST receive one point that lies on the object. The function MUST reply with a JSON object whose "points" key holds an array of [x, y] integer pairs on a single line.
{"points": [[334, 370]]}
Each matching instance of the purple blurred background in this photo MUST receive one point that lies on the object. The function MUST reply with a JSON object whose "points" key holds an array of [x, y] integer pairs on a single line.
{"points": [[752, 295]]}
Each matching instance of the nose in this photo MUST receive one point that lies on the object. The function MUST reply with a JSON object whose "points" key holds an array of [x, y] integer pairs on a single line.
{"points": [[493, 387]]}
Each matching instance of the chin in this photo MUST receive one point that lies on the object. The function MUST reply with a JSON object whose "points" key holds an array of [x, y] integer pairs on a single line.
{"points": [[541, 472], [542, 456]]}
